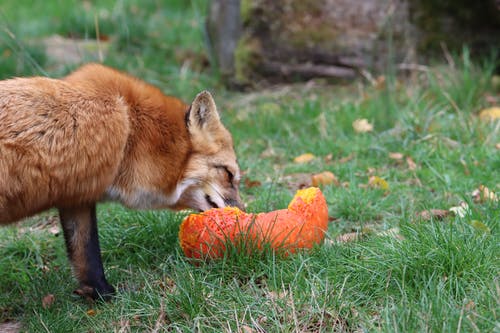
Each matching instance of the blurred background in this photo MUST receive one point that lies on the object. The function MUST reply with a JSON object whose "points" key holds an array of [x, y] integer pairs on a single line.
{"points": [[242, 43], [161, 40]]}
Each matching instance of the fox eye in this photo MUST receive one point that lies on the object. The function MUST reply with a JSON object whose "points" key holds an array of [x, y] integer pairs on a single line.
{"points": [[230, 175]]}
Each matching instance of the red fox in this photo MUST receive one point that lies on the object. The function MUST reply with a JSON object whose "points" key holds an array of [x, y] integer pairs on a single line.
{"points": [[99, 134]]}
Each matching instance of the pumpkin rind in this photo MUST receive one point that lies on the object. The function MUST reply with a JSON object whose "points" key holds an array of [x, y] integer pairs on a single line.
{"points": [[302, 225], [204, 234], [311, 204]]}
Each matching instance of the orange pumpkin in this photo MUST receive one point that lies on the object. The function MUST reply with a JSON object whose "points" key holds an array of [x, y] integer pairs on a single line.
{"points": [[300, 226], [205, 234]]}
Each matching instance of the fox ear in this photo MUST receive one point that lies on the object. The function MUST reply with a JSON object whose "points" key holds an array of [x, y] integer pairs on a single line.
{"points": [[202, 114]]}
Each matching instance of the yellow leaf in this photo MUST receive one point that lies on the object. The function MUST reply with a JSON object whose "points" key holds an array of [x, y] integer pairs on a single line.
{"points": [[396, 156], [91, 312], [378, 182], [304, 158], [362, 126], [480, 226], [324, 178], [490, 114]]}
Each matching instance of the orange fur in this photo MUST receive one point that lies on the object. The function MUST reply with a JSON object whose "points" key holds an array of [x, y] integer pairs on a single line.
{"points": [[99, 134], [66, 142]]}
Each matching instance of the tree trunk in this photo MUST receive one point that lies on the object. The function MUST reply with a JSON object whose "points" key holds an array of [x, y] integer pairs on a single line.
{"points": [[223, 29]]}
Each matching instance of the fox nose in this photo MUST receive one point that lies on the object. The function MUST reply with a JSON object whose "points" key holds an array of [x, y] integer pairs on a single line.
{"points": [[234, 203]]}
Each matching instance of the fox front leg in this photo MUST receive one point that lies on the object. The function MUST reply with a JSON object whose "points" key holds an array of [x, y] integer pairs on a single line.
{"points": [[82, 243]]}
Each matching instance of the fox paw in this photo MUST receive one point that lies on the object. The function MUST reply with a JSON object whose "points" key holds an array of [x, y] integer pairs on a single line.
{"points": [[104, 292]]}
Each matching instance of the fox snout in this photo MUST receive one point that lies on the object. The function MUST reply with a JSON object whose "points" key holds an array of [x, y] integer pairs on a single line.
{"points": [[195, 198], [235, 203], [219, 199], [221, 204]]}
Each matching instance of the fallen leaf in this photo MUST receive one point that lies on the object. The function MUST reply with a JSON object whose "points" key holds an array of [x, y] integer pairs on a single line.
{"points": [[411, 164], [251, 183], [268, 152], [362, 126], [484, 194], [461, 210], [379, 82], [396, 156], [297, 181], [438, 214], [48, 300], [345, 159], [480, 226], [304, 158], [392, 232], [324, 178], [466, 167], [91, 312], [348, 237], [246, 329], [377, 182], [490, 114], [470, 305]]}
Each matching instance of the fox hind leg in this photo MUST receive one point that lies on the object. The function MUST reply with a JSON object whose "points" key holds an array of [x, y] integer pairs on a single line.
{"points": [[82, 243]]}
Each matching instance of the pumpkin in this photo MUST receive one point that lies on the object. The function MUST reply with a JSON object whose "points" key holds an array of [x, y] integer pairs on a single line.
{"points": [[300, 226]]}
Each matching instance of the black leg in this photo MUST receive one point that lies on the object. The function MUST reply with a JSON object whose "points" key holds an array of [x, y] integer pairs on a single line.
{"points": [[82, 243]]}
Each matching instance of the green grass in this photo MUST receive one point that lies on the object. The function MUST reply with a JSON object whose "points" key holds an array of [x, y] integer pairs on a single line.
{"points": [[438, 276]]}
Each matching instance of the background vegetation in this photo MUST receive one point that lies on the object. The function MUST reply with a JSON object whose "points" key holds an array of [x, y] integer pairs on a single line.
{"points": [[406, 271]]}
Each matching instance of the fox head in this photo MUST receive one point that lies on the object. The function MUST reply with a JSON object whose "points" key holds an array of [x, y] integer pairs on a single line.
{"points": [[211, 177]]}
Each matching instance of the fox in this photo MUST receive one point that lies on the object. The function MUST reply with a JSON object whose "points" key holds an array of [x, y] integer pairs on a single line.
{"points": [[100, 134]]}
